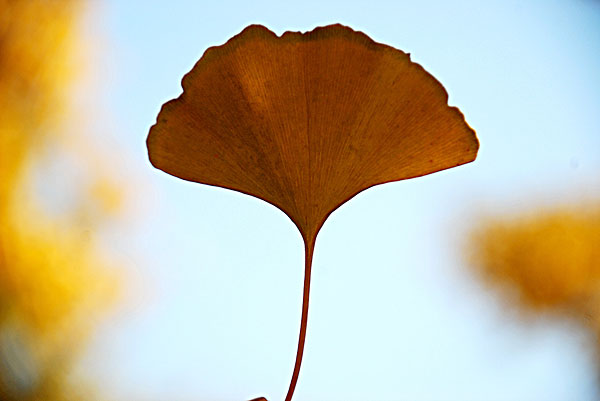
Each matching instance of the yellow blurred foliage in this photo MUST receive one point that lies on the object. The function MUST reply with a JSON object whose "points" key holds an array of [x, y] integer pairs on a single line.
{"points": [[54, 281], [546, 261]]}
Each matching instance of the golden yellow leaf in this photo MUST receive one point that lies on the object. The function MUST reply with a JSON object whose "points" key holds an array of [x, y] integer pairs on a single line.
{"points": [[551, 259], [53, 280]]}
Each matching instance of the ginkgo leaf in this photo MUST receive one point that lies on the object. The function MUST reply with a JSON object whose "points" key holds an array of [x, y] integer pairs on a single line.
{"points": [[305, 122]]}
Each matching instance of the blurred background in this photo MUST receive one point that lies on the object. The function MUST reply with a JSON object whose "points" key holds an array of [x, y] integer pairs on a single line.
{"points": [[119, 282]]}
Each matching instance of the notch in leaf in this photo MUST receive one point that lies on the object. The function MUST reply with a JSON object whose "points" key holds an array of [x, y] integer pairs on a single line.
{"points": [[305, 122]]}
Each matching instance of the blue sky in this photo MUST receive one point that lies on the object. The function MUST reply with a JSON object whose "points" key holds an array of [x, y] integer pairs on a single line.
{"points": [[221, 272]]}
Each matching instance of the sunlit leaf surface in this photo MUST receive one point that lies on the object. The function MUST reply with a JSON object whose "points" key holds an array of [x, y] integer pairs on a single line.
{"points": [[305, 122]]}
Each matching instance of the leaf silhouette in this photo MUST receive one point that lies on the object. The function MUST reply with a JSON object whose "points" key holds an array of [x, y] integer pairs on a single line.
{"points": [[305, 122]]}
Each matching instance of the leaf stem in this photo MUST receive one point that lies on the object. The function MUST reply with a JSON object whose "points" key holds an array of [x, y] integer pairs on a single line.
{"points": [[309, 247]]}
